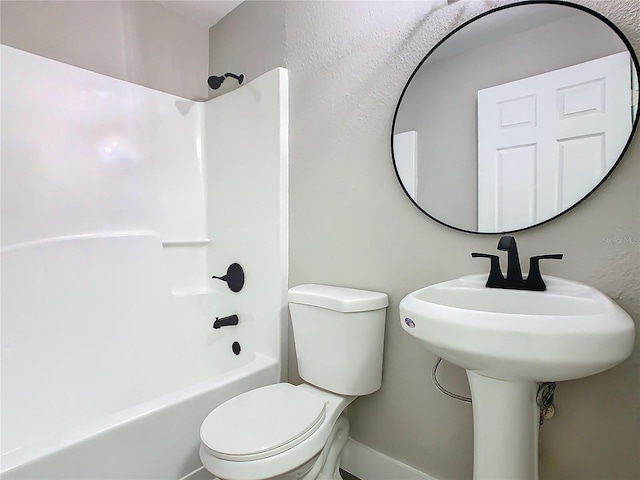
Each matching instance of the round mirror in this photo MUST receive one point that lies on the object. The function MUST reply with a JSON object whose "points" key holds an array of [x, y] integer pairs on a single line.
{"points": [[516, 117]]}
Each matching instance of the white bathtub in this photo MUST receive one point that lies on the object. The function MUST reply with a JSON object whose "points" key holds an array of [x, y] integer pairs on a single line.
{"points": [[155, 440]]}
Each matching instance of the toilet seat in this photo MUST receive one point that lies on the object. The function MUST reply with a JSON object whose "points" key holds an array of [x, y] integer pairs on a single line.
{"points": [[262, 422]]}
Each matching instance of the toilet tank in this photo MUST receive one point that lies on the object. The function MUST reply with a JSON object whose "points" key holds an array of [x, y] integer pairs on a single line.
{"points": [[339, 337]]}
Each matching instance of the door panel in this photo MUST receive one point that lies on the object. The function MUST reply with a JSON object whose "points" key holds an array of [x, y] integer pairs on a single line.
{"points": [[577, 118]]}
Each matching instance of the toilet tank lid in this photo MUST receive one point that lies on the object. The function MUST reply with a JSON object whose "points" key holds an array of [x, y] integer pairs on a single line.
{"points": [[340, 299]]}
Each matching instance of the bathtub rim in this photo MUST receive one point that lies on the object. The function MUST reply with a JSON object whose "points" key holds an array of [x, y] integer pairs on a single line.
{"points": [[15, 459]]}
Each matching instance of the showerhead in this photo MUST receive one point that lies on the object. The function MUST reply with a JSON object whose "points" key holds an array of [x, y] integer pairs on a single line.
{"points": [[215, 82]]}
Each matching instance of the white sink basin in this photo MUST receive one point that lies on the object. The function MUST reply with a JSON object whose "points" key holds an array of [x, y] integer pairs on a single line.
{"points": [[569, 331]]}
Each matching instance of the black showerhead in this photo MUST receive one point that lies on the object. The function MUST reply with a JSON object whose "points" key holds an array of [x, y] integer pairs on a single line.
{"points": [[215, 82]]}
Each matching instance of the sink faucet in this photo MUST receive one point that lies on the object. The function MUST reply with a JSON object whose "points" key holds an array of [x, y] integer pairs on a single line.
{"points": [[514, 273], [514, 279]]}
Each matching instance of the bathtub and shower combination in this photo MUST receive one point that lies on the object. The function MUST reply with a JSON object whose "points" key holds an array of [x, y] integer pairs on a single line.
{"points": [[114, 220], [152, 440]]}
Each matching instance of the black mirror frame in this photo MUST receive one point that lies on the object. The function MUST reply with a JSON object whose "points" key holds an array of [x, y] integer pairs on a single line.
{"points": [[478, 17]]}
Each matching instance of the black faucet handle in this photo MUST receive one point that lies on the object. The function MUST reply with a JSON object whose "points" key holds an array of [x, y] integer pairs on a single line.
{"points": [[553, 256], [534, 280], [496, 279], [234, 277]]}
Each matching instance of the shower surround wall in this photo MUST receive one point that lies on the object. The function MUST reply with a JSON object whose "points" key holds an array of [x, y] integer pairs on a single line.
{"points": [[118, 204], [351, 224]]}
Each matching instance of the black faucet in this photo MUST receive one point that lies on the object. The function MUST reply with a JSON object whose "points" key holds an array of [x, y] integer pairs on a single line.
{"points": [[226, 321], [514, 279], [514, 272]]}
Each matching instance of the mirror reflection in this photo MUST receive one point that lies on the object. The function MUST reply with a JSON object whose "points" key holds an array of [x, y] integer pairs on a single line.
{"points": [[515, 117]]}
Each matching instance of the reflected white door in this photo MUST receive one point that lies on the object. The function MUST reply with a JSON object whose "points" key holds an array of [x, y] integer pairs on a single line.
{"points": [[405, 154], [546, 141]]}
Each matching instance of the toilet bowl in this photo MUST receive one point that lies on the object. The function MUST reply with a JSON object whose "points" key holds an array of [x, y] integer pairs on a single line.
{"points": [[271, 439], [287, 432]]}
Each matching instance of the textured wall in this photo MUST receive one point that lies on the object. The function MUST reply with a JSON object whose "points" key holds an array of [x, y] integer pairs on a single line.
{"points": [[351, 225], [138, 41], [257, 42]]}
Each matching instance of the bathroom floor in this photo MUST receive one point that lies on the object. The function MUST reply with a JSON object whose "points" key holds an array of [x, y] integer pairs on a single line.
{"points": [[347, 475], [202, 474]]}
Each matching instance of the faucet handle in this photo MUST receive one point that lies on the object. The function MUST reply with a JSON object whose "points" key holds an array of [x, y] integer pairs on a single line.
{"points": [[496, 279], [534, 280], [234, 277]]}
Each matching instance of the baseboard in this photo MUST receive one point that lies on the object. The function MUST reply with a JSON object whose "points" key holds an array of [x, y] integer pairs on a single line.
{"points": [[199, 474], [368, 464], [359, 460]]}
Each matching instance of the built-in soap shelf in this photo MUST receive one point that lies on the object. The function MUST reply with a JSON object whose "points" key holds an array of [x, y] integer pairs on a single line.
{"points": [[186, 260], [196, 242]]}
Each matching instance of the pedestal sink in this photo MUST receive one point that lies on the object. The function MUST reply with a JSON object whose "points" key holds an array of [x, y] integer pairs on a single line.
{"points": [[508, 341]]}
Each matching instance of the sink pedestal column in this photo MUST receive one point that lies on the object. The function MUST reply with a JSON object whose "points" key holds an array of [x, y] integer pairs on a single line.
{"points": [[505, 429]]}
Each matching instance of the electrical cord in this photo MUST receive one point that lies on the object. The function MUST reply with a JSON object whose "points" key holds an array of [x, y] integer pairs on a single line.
{"points": [[444, 390]]}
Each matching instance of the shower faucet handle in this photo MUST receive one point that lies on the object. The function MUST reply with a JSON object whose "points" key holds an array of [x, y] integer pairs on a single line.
{"points": [[234, 277]]}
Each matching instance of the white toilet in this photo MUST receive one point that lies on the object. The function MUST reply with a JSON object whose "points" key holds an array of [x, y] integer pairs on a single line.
{"points": [[298, 432]]}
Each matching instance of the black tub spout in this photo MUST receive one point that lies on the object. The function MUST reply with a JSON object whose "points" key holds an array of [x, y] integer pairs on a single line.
{"points": [[226, 321]]}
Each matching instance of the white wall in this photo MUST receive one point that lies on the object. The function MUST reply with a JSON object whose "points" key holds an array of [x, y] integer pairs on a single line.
{"points": [[106, 288], [138, 41], [351, 224]]}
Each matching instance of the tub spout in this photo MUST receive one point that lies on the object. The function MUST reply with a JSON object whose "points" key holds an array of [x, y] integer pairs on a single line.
{"points": [[225, 321]]}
